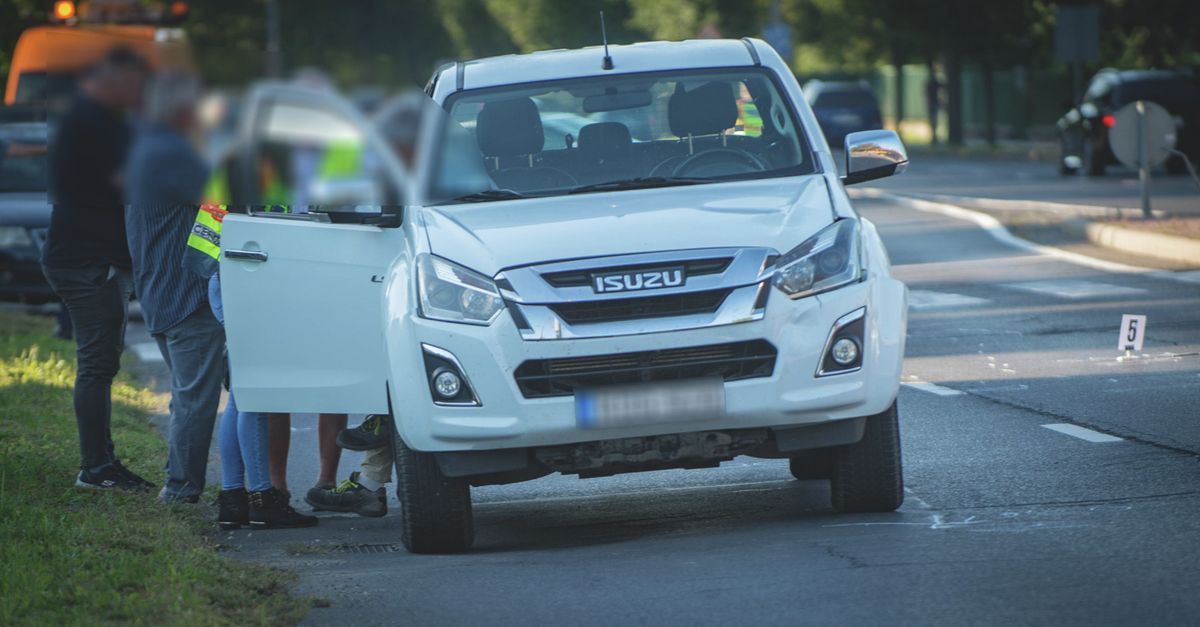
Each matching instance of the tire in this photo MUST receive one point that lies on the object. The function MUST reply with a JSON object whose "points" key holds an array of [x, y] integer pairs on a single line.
{"points": [[814, 464], [867, 475], [1093, 163], [435, 509]]}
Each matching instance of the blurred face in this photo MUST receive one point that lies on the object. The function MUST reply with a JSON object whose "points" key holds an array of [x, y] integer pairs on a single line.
{"points": [[126, 87]]}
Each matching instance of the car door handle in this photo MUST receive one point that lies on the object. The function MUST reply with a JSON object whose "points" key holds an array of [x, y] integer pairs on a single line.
{"points": [[248, 255]]}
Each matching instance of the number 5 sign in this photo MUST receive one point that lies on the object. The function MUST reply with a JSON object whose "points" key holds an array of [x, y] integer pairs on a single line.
{"points": [[1133, 332]]}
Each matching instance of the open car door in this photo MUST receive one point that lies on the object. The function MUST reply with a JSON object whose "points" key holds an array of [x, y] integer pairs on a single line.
{"points": [[302, 271]]}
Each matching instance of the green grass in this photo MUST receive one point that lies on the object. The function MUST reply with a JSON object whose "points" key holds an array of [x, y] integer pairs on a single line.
{"points": [[75, 557]]}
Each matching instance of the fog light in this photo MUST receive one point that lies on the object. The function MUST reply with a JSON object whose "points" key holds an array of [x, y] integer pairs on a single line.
{"points": [[446, 383], [844, 351]]}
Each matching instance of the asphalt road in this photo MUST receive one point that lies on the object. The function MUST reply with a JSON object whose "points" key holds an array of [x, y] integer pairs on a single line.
{"points": [[1021, 180], [1006, 520]]}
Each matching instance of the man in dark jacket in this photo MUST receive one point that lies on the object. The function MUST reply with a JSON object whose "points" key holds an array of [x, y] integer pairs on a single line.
{"points": [[86, 258]]}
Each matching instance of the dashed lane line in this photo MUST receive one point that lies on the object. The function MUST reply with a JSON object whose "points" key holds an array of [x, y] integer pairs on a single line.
{"points": [[932, 388], [1076, 431]]}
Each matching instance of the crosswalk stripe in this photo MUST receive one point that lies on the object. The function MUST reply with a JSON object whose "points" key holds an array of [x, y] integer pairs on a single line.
{"points": [[1073, 288], [1076, 431], [932, 388], [922, 300]]}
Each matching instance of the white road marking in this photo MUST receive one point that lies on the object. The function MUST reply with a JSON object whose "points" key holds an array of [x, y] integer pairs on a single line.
{"points": [[147, 352], [1083, 434], [921, 300], [998, 232], [931, 388], [1074, 288]]}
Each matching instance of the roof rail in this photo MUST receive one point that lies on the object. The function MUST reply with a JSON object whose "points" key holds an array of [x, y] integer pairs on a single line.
{"points": [[460, 69], [752, 50]]}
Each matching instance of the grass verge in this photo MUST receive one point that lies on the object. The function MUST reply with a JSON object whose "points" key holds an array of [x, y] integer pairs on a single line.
{"points": [[75, 557]]}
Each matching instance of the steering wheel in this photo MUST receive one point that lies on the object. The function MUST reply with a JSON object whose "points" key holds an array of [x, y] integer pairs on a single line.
{"points": [[720, 162]]}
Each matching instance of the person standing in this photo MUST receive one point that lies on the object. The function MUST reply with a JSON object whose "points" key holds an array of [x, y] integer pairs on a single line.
{"points": [[165, 180], [86, 259]]}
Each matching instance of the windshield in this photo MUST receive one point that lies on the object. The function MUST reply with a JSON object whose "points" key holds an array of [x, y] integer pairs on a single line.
{"points": [[597, 133], [23, 161]]}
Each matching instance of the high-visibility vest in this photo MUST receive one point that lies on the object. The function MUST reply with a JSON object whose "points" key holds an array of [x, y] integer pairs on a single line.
{"points": [[203, 253]]}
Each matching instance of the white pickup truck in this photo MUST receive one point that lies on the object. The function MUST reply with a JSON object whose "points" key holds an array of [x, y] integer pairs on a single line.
{"points": [[682, 283]]}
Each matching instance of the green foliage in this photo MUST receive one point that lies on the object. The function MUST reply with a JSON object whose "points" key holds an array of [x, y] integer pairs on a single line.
{"points": [[81, 558]]}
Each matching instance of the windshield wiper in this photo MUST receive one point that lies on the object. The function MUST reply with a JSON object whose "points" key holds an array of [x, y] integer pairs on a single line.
{"points": [[487, 195], [641, 182]]}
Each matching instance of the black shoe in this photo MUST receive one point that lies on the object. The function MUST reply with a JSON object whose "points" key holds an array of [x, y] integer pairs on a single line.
{"points": [[373, 433], [269, 509], [132, 476], [233, 508], [107, 477], [349, 496]]}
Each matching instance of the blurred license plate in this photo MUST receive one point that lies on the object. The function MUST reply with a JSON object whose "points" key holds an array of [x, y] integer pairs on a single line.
{"points": [[650, 403]]}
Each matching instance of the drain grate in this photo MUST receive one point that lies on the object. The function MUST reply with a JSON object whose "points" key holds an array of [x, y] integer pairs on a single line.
{"points": [[369, 548]]}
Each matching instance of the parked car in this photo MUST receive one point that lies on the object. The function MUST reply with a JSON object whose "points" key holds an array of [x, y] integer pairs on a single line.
{"points": [[24, 212], [843, 107], [1083, 130], [617, 306]]}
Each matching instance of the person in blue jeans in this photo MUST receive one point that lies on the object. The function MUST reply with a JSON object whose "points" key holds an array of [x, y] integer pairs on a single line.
{"points": [[247, 496]]}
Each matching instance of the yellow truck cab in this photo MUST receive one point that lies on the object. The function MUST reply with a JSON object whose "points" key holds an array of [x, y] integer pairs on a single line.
{"points": [[48, 59]]}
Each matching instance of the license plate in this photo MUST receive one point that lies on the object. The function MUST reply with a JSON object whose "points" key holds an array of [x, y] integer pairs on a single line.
{"points": [[650, 403]]}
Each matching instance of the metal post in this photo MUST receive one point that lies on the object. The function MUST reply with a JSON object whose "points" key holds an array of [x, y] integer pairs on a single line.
{"points": [[274, 60], [1143, 159]]}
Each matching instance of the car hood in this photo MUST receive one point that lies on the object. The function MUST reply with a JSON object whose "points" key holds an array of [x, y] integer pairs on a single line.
{"points": [[27, 209], [489, 237]]}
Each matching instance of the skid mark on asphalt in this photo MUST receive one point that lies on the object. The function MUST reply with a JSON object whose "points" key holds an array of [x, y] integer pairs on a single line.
{"points": [[1076, 431], [1075, 289]]}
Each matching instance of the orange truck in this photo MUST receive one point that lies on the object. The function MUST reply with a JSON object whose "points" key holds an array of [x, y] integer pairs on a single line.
{"points": [[48, 59]]}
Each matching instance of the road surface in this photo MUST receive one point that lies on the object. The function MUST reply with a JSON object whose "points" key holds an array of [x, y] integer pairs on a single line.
{"points": [[1049, 482]]}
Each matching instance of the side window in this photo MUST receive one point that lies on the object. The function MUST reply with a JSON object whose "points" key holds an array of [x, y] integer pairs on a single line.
{"points": [[307, 156]]}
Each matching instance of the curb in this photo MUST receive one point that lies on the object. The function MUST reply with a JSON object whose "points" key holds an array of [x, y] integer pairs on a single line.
{"points": [[1158, 245], [1000, 233]]}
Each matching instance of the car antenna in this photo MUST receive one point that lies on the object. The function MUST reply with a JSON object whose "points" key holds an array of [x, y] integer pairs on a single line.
{"points": [[607, 64]]}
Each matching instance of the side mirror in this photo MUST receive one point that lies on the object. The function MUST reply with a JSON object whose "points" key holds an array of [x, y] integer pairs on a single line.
{"points": [[873, 155]]}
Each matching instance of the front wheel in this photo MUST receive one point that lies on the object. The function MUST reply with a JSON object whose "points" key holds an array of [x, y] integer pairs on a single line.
{"points": [[435, 509], [867, 475]]}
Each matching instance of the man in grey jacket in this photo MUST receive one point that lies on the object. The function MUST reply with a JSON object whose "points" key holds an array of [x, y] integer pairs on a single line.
{"points": [[165, 178]]}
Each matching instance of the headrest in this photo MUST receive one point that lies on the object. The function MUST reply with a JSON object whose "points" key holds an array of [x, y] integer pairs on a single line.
{"points": [[605, 138], [508, 128], [706, 110]]}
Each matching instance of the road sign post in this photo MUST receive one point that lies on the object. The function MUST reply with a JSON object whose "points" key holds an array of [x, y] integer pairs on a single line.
{"points": [[1142, 137]]}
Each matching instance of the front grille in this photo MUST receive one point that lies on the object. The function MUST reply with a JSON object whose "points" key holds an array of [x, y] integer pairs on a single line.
{"points": [[639, 308], [583, 278], [540, 378]]}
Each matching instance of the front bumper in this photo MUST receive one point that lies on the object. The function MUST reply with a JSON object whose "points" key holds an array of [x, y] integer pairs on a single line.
{"points": [[791, 396]]}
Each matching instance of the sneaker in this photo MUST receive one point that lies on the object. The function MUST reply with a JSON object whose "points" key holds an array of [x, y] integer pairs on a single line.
{"points": [[233, 508], [132, 476], [107, 477], [270, 510], [349, 496], [373, 433]]}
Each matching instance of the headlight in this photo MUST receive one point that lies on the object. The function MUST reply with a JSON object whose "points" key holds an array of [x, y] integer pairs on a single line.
{"points": [[453, 293], [827, 260], [14, 237]]}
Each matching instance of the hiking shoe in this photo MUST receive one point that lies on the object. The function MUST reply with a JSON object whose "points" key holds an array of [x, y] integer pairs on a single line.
{"points": [[373, 433], [349, 496], [132, 476], [233, 508], [269, 509], [107, 477]]}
